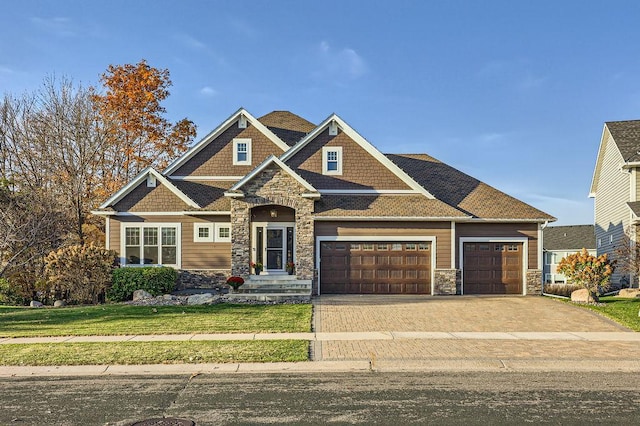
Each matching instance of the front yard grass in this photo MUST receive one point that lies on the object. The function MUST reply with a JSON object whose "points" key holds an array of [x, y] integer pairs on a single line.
{"points": [[622, 311], [134, 353], [119, 319]]}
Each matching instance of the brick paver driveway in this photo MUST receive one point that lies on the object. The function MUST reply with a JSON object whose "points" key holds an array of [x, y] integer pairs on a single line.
{"points": [[483, 314], [353, 313]]}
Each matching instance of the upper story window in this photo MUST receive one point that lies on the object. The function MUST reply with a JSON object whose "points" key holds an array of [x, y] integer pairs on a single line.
{"points": [[332, 160], [242, 152]]}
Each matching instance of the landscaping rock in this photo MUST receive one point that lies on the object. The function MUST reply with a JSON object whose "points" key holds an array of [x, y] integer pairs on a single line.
{"points": [[35, 304], [629, 293], [141, 294], [201, 299], [582, 296], [59, 303]]}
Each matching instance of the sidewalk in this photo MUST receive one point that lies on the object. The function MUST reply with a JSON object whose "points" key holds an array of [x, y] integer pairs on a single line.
{"points": [[383, 352]]}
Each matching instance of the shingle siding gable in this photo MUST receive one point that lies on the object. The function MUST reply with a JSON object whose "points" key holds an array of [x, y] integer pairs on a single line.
{"points": [[216, 159], [360, 170]]}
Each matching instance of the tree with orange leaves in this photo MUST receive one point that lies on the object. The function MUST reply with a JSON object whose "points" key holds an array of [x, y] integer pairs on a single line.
{"points": [[140, 136], [588, 271]]}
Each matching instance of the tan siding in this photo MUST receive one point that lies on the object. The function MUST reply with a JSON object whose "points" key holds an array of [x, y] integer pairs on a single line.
{"points": [[194, 255], [145, 199], [613, 193], [216, 159], [360, 170], [498, 230], [114, 235], [440, 230]]}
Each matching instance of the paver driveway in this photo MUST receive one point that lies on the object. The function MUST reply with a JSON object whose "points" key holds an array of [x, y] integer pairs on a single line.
{"points": [[352, 313]]}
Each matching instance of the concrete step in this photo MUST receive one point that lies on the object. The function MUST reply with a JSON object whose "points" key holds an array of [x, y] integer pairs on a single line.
{"points": [[275, 276], [269, 297], [277, 284]]}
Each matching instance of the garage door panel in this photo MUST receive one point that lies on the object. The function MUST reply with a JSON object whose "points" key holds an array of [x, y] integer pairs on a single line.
{"points": [[375, 268], [494, 268]]}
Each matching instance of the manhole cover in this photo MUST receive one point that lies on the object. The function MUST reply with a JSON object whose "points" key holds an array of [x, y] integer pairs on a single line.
{"points": [[167, 421]]}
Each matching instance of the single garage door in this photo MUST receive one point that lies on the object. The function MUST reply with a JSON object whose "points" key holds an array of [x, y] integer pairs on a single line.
{"points": [[375, 268], [492, 268]]}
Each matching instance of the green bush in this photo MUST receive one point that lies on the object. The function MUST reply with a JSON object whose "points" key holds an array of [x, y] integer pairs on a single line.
{"points": [[155, 280], [9, 295]]}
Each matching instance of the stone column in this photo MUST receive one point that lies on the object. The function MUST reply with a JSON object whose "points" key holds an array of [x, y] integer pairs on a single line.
{"points": [[240, 238]]}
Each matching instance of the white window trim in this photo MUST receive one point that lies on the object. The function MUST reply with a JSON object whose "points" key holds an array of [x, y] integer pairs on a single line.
{"points": [[125, 225], [237, 141], [196, 232], [325, 151], [219, 239]]}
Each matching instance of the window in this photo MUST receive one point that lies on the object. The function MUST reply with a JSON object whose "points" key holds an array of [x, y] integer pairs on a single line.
{"points": [[599, 242], [383, 247], [151, 244], [367, 247], [396, 247], [332, 160], [410, 246], [223, 233], [355, 246], [242, 152], [203, 232], [423, 246]]}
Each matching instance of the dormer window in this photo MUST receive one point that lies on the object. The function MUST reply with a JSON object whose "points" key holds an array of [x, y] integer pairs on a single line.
{"points": [[242, 152], [332, 160]]}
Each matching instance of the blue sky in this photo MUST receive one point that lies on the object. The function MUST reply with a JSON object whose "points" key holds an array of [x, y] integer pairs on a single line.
{"points": [[514, 93]]}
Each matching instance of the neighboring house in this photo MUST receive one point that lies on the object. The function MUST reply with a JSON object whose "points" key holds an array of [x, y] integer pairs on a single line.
{"points": [[560, 241], [616, 189], [353, 220]]}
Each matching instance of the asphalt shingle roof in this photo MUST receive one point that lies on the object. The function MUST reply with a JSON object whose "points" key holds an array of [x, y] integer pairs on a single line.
{"points": [[287, 126], [384, 206], [573, 237], [626, 135], [464, 192]]}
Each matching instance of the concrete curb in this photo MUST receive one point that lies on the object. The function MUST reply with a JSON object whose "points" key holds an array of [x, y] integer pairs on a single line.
{"points": [[361, 366]]}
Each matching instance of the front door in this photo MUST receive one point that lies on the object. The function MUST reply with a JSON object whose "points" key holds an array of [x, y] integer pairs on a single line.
{"points": [[273, 245], [275, 249]]}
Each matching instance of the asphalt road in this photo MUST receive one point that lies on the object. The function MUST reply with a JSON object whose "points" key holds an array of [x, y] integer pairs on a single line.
{"points": [[338, 398]]}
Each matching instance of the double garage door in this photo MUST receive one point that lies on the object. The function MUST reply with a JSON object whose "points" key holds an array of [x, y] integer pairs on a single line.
{"points": [[492, 268], [363, 267]]}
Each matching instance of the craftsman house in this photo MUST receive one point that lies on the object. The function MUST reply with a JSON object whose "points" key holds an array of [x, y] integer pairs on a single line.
{"points": [[279, 189]]}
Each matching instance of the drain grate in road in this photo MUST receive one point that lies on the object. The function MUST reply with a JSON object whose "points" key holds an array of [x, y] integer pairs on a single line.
{"points": [[165, 421]]}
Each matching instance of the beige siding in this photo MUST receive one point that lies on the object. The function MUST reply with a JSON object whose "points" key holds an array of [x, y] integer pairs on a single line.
{"points": [[195, 255], [440, 230], [613, 193], [502, 230]]}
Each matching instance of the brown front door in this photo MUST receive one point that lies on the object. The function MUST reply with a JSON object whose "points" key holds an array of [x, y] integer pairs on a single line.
{"points": [[375, 267], [492, 268]]}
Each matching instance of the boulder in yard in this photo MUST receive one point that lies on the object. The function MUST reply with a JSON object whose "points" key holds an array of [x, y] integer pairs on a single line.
{"points": [[141, 294], [629, 293], [35, 304], [582, 296], [59, 303], [200, 299]]}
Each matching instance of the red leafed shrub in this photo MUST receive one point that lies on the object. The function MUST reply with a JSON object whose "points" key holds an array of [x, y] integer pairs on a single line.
{"points": [[235, 282]]}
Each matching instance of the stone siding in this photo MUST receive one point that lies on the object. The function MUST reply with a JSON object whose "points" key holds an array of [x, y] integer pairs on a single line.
{"points": [[534, 281], [445, 282], [202, 278], [273, 186]]}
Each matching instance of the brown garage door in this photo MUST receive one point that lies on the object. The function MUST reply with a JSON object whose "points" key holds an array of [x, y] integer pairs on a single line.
{"points": [[492, 268], [375, 268]]}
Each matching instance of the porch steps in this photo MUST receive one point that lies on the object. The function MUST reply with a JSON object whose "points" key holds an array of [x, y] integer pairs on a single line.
{"points": [[273, 288]]}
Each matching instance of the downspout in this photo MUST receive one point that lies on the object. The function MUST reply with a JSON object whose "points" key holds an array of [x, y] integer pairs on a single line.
{"points": [[540, 252]]}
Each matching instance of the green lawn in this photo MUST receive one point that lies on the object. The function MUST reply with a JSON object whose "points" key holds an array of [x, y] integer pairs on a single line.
{"points": [[130, 353], [622, 311], [118, 319]]}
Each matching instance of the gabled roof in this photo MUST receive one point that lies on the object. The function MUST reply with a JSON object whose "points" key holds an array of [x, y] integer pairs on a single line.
{"points": [[635, 208], [217, 131], [626, 138], [385, 206], [272, 159], [139, 179], [356, 137], [573, 237], [464, 192], [287, 126]]}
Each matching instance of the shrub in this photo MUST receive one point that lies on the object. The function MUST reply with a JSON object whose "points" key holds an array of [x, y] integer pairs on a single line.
{"points": [[156, 280], [9, 295], [81, 273]]}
